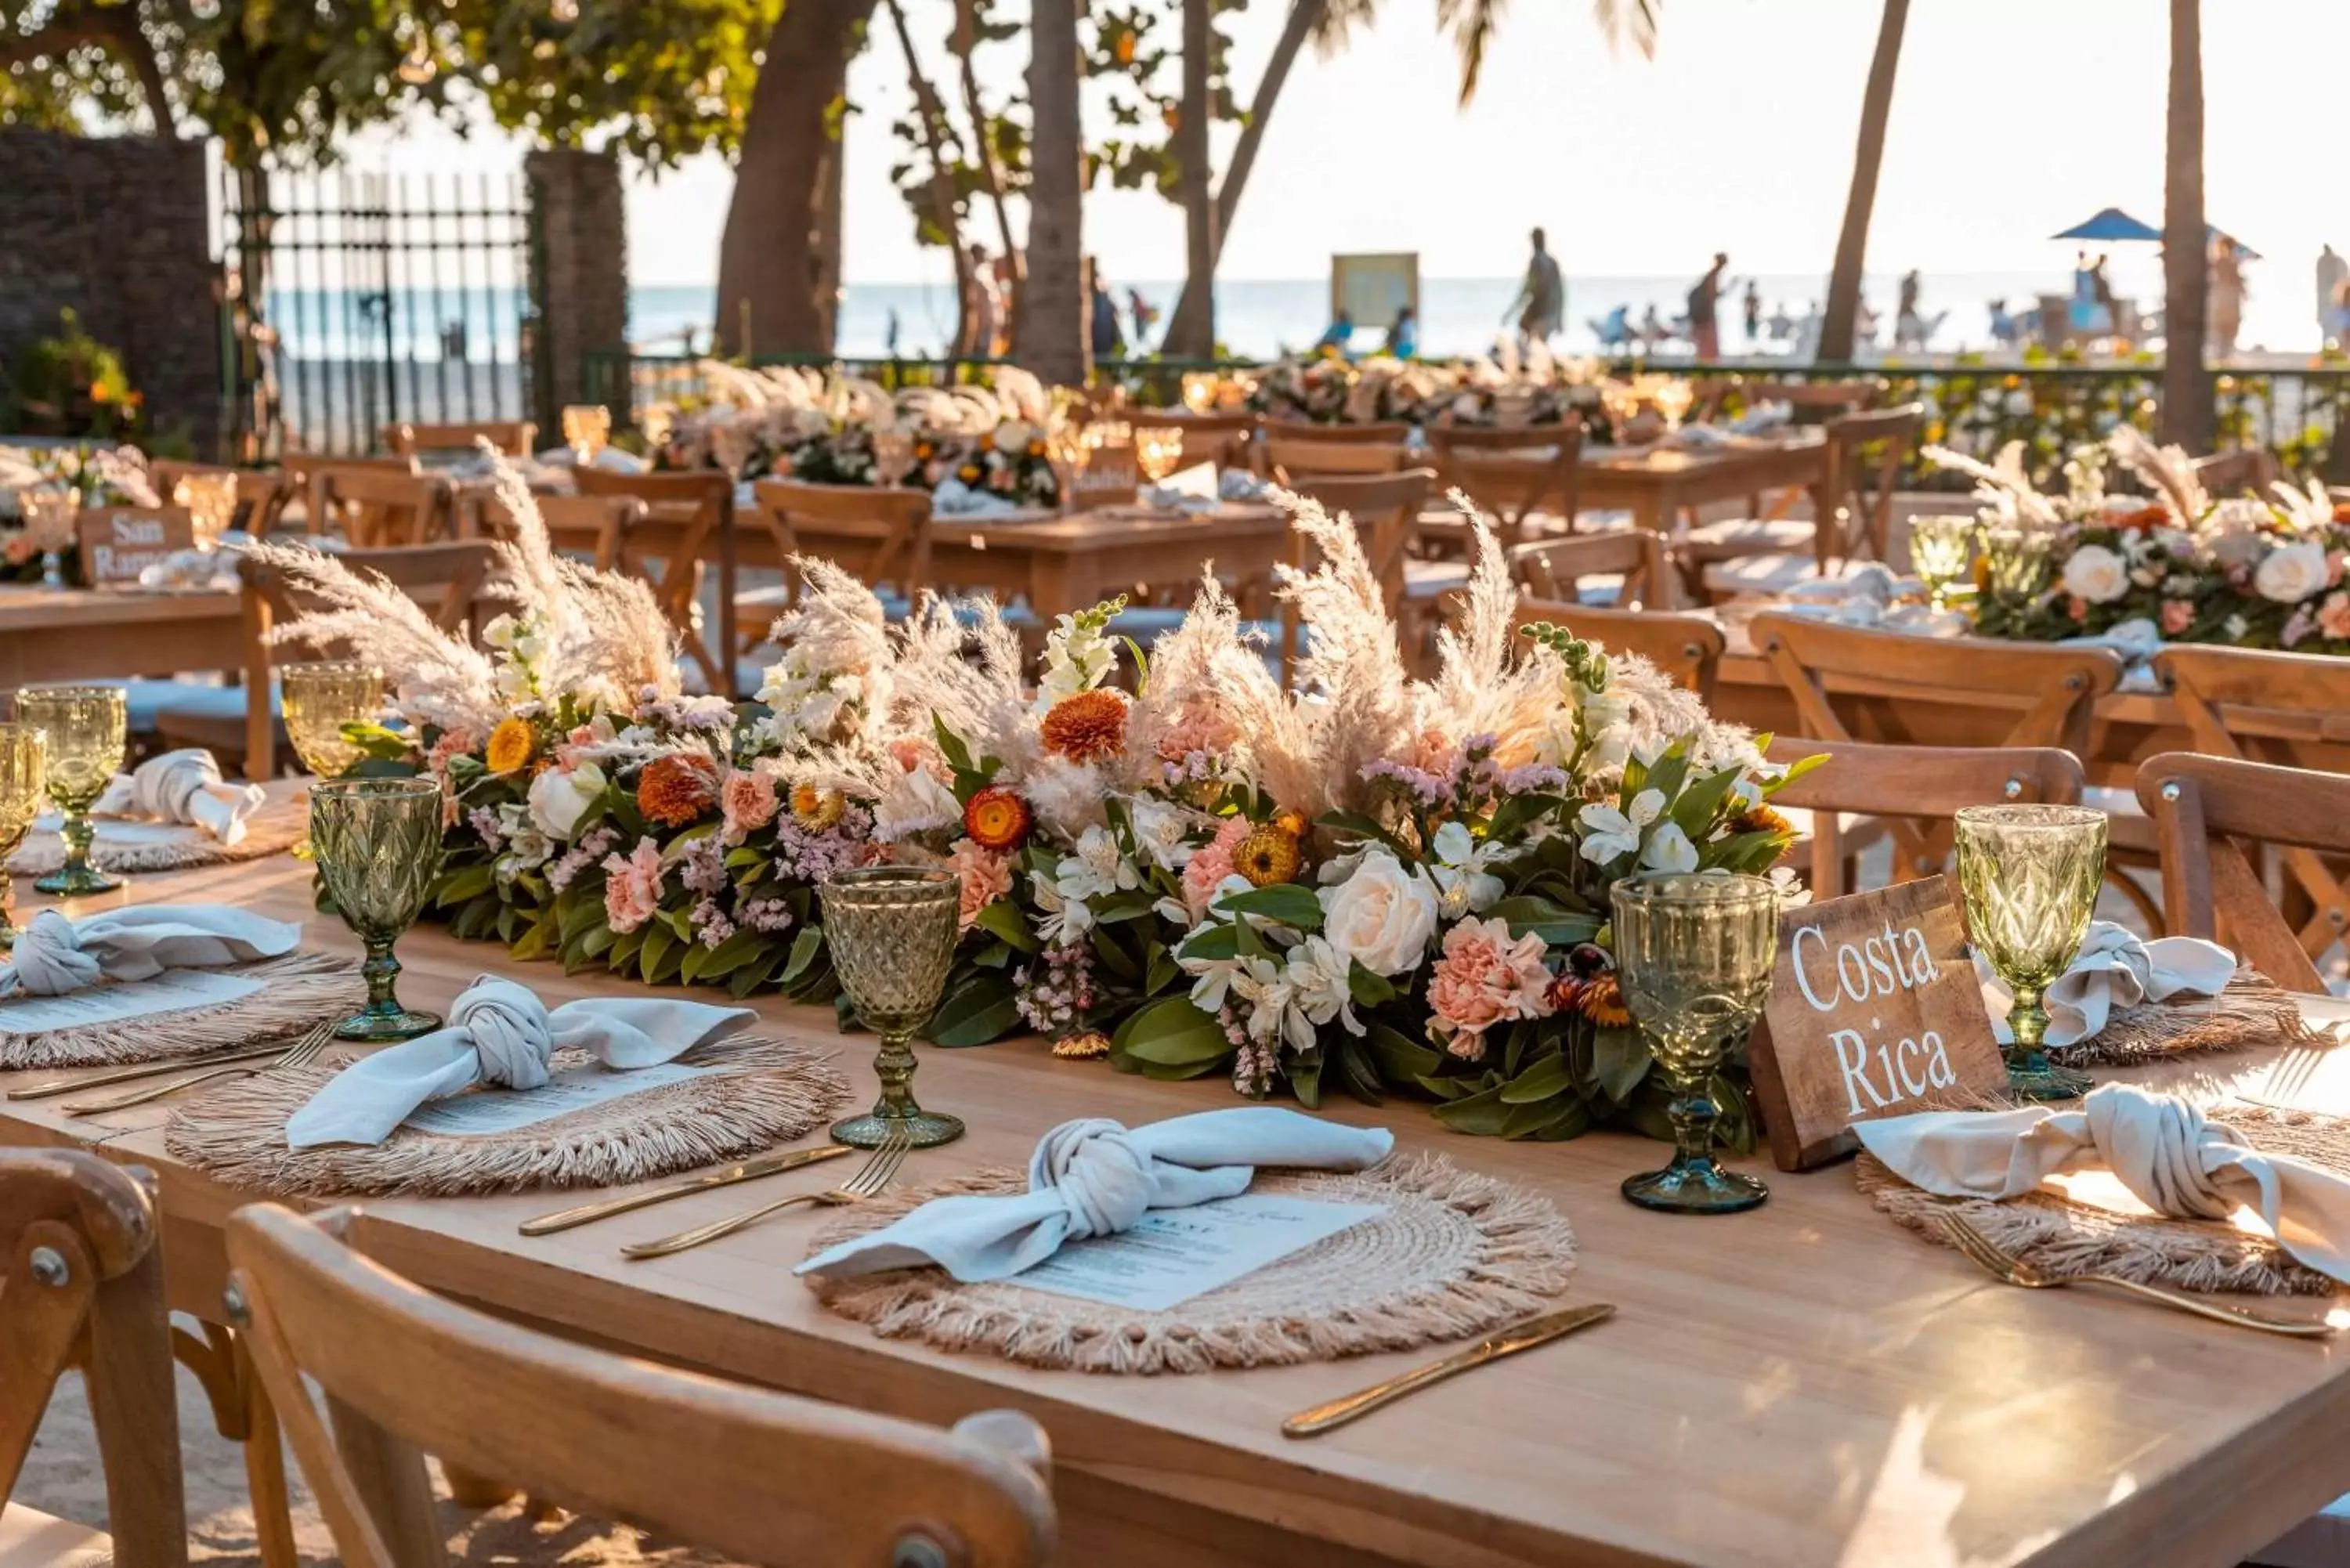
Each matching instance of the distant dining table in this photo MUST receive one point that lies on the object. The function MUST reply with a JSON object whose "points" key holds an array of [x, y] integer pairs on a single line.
{"points": [[84, 634], [1657, 483]]}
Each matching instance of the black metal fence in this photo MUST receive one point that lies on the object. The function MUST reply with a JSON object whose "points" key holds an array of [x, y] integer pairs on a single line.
{"points": [[380, 299]]}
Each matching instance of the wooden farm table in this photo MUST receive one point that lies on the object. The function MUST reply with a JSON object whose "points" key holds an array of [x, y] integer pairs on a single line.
{"points": [[1803, 1385], [78, 634], [1657, 483]]}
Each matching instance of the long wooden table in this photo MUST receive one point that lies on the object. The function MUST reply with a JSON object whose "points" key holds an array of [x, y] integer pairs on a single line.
{"points": [[77, 634], [1657, 483], [1804, 1385]]}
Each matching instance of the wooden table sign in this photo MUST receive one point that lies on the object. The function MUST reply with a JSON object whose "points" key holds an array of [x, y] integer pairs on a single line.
{"points": [[1875, 1010], [117, 543]]}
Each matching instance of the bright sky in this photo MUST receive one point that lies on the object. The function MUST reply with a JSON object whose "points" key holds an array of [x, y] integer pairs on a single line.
{"points": [[2012, 118]]}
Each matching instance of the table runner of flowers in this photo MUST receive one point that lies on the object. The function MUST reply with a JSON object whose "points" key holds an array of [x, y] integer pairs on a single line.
{"points": [[1370, 885]]}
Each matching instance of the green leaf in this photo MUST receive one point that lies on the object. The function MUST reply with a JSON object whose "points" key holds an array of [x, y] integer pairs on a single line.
{"points": [[1510, 819], [534, 943], [1361, 826], [659, 941], [1619, 1060], [457, 886], [1357, 1074], [958, 755], [1160, 971], [1369, 990], [1131, 904], [1694, 812], [1286, 902], [1172, 1033], [1555, 923], [1547, 1077], [731, 954], [1304, 1077], [1003, 918], [979, 1009], [805, 947], [1217, 941], [1400, 1059], [753, 975], [1481, 1112], [1114, 956]]}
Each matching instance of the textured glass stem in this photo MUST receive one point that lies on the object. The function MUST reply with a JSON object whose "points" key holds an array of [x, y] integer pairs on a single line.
{"points": [[894, 1065], [78, 832], [382, 972], [53, 576], [2028, 1021]]}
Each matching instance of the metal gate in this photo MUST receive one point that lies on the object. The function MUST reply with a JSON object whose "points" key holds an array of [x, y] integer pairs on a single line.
{"points": [[382, 299]]}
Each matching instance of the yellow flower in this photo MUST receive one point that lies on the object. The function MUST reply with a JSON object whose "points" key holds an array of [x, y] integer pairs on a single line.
{"points": [[511, 744], [816, 809], [1083, 1046], [1265, 856]]}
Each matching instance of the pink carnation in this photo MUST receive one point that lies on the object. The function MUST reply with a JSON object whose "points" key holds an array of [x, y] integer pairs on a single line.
{"points": [[747, 803], [633, 886], [1485, 976], [1211, 863], [2333, 616], [2177, 615], [986, 876], [452, 744]]}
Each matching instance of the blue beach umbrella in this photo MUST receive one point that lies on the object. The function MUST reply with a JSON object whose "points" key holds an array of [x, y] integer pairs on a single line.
{"points": [[2113, 223]]}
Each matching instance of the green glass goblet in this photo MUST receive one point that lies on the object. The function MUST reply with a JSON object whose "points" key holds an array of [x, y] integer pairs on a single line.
{"points": [[2029, 876], [892, 932], [377, 843], [85, 727], [24, 783], [1694, 954], [1941, 548]]}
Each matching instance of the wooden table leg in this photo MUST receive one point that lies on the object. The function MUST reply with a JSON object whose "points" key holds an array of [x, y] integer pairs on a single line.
{"points": [[243, 1414]]}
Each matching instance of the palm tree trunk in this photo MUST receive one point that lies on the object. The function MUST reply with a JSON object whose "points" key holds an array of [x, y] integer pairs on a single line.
{"points": [[1868, 155], [935, 133], [771, 254], [2187, 413], [1305, 15], [1053, 342], [1197, 339]]}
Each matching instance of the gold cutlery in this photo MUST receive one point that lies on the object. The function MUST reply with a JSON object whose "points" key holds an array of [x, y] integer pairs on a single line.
{"points": [[1998, 1261], [727, 1176], [54, 1087], [300, 1054], [870, 1179], [1492, 1347]]}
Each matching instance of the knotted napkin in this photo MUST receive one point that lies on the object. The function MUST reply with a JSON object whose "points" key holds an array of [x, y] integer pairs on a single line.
{"points": [[55, 955], [183, 786], [500, 1032], [1096, 1178], [2118, 969], [2159, 1147]]}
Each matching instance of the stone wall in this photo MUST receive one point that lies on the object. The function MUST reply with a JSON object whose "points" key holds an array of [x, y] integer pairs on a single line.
{"points": [[115, 228], [580, 286]]}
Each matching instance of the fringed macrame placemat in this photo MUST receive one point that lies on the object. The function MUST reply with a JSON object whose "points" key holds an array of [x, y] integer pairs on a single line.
{"points": [[2068, 1238], [129, 847], [765, 1092], [296, 992], [1455, 1254], [2253, 1010]]}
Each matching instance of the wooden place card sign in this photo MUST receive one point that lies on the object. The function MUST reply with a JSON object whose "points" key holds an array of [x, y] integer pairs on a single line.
{"points": [[1875, 1010], [117, 543]]}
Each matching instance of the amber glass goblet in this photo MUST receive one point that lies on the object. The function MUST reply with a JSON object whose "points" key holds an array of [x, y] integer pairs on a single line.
{"points": [[319, 699], [892, 932]]}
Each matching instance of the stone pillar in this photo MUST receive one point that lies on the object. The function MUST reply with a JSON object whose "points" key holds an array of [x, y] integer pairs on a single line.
{"points": [[579, 283], [115, 229]]}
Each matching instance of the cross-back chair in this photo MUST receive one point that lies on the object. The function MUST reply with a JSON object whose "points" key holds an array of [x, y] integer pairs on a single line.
{"points": [[750, 1473], [376, 509], [1384, 508], [2237, 471], [1866, 453], [2208, 813], [592, 528], [1816, 398], [2255, 705], [1930, 784], [1509, 486], [881, 535], [1687, 648], [1555, 569], [700, 503], [1291, 460], [81, 1284], [514, 438]]}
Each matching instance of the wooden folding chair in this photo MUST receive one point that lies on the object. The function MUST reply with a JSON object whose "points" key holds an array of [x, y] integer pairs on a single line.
{"points": [[749, 1473], [1688, 648], [1864, 455], [879, 535], [700, 503], [1554, 569], [2254, 705], [1929, 785], [2207, 812], [1383, 508], [1290, 461], [1382, 433], [514, 438], [2244, 470], [81, 1284], [591, 527], [375, 510], [1509, 486]]}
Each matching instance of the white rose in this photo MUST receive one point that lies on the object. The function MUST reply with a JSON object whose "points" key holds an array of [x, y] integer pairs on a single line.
{"points": [[2095, 574], [2291, 573], [559, 796], [1013, 436], [1382, 916]]}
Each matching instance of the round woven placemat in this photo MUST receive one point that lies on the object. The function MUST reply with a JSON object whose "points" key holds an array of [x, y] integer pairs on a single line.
{"points": [[763, 1092], [1455, 1254], [2253, 1010], [127, 846], [297, 991], [2069, 1238]]}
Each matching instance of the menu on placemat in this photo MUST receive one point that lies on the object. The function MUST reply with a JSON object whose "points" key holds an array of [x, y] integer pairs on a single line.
{"points": [[1173, 1254], [174, 991], [568, 1090]]}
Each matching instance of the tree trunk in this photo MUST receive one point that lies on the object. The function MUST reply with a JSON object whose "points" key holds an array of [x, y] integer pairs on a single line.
{"points": [[2187, 413], [1053, 341], [935, 134], [1305, 15], [990, 171], [1197, 338], [770, 257], [1852, 246]]}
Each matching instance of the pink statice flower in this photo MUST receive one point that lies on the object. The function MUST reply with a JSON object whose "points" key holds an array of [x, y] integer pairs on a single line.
{"points": [[747, 802], [1211, 863], [2334, 616], [633, 886], [1485, 976], [986, 876]]}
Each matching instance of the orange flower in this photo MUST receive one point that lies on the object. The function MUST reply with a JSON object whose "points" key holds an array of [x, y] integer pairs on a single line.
{"points": [[817, 809], [511, 744], [997, 818], [2144, 517], [1083, 1046], [1601, 999], [676, 789], [1265, 856], [1291, 822], [1760, 819], [1088, 725], [99, 394]]}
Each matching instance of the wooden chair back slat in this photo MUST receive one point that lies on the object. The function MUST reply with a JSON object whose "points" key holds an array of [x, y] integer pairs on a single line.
{"points": [[755, 1475], [1291, 461], [1550, 569], [1815, 396], [882, 535], [1510, 484], [1223, 439], [2207, 812], [1383, 432], [514, 438], [2245, 470], [81, 1284], [261, 492], [1688, 648], [1866, 454], [590, 526], [1383, 507], [376, 509], [697, 508]]}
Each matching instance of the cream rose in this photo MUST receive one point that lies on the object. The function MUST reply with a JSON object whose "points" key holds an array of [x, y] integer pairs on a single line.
{"points": [[1013, 436], [1382, 916], [560, 797], [2291, 573], [2095, 574]]}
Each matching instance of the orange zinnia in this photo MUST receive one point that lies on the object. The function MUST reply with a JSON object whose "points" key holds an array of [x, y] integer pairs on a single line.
{"points": [[1088, 726], [675, 790]]}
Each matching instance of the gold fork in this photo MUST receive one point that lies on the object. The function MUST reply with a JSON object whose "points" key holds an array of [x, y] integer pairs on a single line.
{"points": [[870, 1179], [300, 1054], [1997, 1260]]}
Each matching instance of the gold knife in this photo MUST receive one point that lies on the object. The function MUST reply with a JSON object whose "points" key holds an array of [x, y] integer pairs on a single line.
{"points": [[727, 1176], [42, 1091], [1492, 1347]]}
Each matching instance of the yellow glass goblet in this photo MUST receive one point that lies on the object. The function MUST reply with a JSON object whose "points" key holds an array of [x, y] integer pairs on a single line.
{"points": [[891, 931], [1941, 548], [319, 697], [2029, 876], [378, 845], [1158, 449], [23, 785], [587, 426], [86, 726]]}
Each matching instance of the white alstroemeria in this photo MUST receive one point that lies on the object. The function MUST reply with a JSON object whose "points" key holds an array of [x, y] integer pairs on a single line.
{"points": [[1746, 793], [1610, 833], [1213, 979], [560, 797], [1077, 657], [1097, 867], [1318, 978], [1266, 1002], [1791, 892], [1174, 911], [1669, 849], [526, 848], [1067, 917], [1464, 886], [1162, 833]]}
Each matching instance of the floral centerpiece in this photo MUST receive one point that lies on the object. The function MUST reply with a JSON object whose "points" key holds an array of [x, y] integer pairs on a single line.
{"points": [[1539, 389]]}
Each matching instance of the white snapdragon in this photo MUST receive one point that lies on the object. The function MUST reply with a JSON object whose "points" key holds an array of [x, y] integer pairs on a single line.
{"points": [[1078, 656]]}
